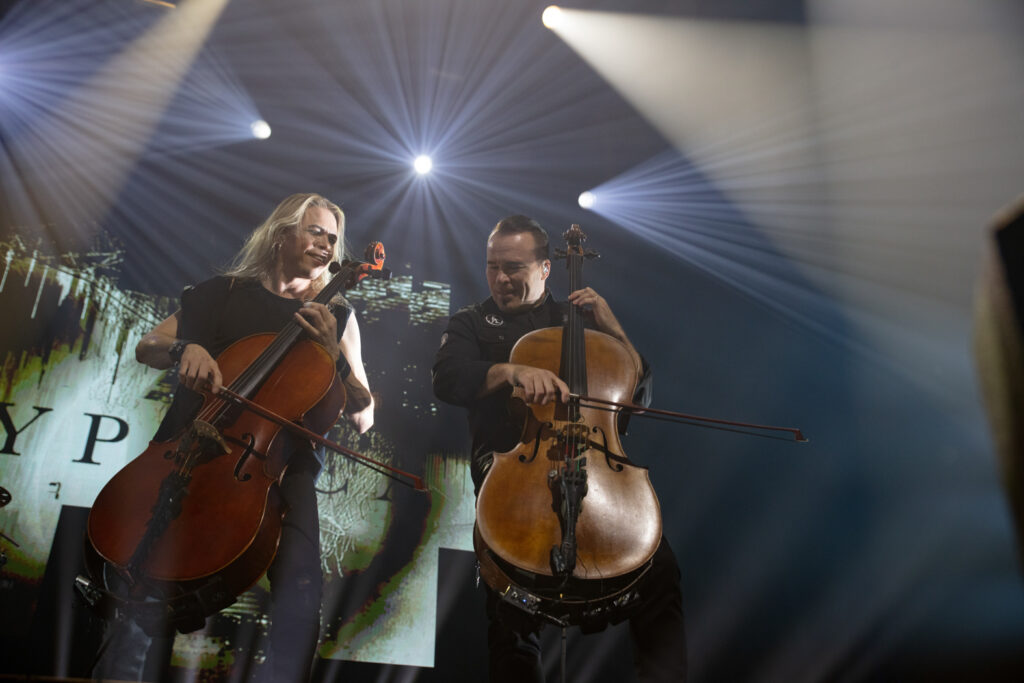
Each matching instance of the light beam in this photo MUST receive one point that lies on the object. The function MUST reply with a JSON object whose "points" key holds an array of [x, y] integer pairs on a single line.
{"points": [[79, 151]]}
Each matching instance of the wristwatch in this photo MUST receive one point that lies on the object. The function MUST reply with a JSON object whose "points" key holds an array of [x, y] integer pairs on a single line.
{"points": [[177, 348]]}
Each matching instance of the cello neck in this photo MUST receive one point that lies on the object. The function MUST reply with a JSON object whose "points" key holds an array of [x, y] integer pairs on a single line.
{"points": [[574, 355], [248, 382]]}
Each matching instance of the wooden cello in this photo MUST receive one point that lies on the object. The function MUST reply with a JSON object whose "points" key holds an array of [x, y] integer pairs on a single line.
{"points": [[565, 523], [192, 522]]}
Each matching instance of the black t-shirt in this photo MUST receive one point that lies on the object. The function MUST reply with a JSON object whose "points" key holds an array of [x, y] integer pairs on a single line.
{"points": [[477, 337], [218, 312]]}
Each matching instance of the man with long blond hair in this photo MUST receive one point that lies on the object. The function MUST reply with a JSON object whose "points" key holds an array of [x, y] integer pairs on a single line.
{"points": [[271, 282]]}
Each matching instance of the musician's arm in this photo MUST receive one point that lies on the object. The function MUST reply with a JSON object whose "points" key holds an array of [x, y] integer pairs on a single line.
{"points": [[597, 307], [535, 385], [461, 374], [459, 367], [196, 365], [359, 405], [152, 349], [604, 319]]}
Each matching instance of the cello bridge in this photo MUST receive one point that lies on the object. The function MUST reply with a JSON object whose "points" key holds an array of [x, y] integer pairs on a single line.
{"points": [[575, 434]]}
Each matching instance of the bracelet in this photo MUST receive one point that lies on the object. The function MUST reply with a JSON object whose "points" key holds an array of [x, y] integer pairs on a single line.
{"points": [[177, 348]]}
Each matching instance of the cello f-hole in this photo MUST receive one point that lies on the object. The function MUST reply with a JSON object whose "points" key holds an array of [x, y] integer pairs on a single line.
{"points": [[613, 461], [536, 444], [250, 441]]}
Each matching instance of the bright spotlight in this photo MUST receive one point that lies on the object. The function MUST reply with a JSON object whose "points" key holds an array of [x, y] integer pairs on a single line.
{"points": [[552, 17], [260, 129], [423, 164], [587, 199]]}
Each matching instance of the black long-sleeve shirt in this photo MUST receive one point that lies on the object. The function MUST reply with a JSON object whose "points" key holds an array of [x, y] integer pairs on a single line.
{"points": [[477, 337]]}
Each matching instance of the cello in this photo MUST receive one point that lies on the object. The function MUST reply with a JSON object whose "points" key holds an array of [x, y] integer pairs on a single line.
{"points": [[566, 525], [194, 521]]}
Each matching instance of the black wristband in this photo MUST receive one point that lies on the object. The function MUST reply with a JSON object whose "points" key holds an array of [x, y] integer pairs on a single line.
{"points": [[342, 366], [177, 348]]}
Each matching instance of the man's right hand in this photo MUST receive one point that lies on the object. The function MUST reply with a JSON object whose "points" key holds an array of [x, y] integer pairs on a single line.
{"points": [[537, 385], [198, 370]]}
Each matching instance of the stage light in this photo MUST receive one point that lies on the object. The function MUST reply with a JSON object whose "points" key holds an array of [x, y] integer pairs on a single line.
{"points": [[552, 17], [423, 164], [260, 129], [587, 199]]}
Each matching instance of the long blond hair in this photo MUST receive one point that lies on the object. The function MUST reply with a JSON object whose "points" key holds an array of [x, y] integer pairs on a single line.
{"points": [[258, 255]]}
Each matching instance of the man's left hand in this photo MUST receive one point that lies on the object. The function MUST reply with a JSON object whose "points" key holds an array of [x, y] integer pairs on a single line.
{"points": [[599, 309], [603, 317], [321, 325]]}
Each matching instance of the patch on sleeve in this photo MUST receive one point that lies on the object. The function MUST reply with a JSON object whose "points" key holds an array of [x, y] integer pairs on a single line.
{"points": [[444, 339]]}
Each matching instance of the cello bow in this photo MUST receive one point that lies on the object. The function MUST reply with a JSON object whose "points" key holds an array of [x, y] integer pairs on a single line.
{"points": [[401, 476], [641, 411]]}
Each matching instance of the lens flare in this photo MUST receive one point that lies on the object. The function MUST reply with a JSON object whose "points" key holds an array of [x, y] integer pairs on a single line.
{"points": [[423, 164], [260, 129]]}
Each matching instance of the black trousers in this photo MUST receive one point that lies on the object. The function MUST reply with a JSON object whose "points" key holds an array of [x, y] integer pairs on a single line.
{"points": [[296, 587], [296, 580], [656, 631]]}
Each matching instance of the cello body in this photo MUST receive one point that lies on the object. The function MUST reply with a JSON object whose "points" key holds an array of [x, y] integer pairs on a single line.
{"points": [[525, 526], [230, 518]]}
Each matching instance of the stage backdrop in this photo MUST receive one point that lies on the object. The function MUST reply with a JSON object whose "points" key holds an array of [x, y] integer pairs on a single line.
{"points": [[76, 407]]}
